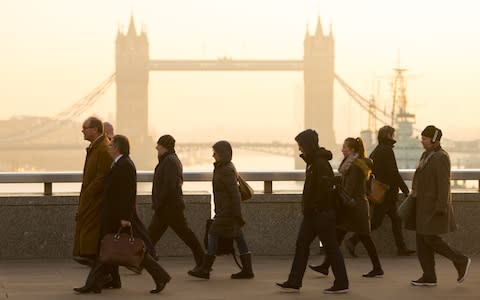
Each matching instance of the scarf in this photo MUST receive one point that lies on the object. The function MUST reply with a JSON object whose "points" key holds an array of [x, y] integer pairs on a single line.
{"points": [[347, 163]]}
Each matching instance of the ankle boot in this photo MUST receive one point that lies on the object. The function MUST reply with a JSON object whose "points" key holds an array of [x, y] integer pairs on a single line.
{"points": [[204, 270], [246, 272]]}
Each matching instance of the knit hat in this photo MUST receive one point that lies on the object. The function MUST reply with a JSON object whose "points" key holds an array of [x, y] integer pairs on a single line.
{"points": [[167, 141], [432, 132]]}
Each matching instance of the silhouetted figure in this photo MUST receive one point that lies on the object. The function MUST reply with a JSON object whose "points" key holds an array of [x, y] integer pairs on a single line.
{"points": [[167, 199], [434, 212], [355, 170], [88, 217], [386, 171], [318, 209], [120, 211], [228, 220]]}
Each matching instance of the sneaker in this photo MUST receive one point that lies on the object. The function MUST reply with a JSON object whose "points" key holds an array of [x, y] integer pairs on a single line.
{"points": [[350, 248], [423, 282], [462, 269], [335, 290], [320, 269], [405, 252], [288, 287]]}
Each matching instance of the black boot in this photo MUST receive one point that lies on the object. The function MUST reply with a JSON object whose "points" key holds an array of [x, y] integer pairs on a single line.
{"points": [[204, 270], [246, 272]]}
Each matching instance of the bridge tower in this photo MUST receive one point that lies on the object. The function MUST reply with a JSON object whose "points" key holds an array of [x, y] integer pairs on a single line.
{"points": [[319, 75], [132, 73]]}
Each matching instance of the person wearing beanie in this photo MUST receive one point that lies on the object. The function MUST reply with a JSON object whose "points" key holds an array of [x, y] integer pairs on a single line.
{"points": [[228, 220], [434, 212], [167, 199], [386, 171], [318, 215]]}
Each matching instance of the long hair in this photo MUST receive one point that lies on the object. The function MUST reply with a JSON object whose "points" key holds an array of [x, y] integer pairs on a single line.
{"points": [[356, 144]]}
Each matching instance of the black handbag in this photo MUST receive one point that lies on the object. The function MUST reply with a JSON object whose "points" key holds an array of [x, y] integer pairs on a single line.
{"points": [[225, 245], [343, 199]]}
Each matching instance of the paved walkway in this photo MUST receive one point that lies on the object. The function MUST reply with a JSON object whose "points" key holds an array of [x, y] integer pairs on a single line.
{"points": [[54, 279]]}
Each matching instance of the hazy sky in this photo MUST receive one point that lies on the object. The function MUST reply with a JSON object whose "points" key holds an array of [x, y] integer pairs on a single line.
{"points": [[55, 51]]}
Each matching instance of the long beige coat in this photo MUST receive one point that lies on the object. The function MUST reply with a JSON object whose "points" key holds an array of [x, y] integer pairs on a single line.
{"points": [[97, 166], [431, 185]]}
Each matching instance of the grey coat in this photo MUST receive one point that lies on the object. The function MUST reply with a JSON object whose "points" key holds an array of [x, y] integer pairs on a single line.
{"points": [[431, 187]]}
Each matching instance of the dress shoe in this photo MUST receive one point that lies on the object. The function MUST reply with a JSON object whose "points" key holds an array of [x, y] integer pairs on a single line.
{"points": [[319, 269], [374, 273], [336, 290], [160, 286], [87, 290], [288, 287]]}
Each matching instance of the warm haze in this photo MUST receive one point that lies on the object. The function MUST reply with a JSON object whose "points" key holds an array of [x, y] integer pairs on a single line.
{"points": [[55, 51]]}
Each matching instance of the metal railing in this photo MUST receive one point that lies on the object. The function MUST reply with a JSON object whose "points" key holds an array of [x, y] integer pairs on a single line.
{"points": [[48, 178]]}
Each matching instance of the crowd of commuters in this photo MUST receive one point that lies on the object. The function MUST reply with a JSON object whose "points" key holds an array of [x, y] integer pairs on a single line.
{"points": [[107, 203]]}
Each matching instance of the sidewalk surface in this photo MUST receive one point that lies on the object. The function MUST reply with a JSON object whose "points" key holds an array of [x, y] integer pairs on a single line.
{"points": [[54, 279]]}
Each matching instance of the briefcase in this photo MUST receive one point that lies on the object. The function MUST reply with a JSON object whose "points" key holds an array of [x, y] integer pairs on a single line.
{"points": [[122, 249]]}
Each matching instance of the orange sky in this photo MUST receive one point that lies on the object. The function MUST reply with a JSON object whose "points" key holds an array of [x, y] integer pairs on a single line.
{"points": [[55, 51]]}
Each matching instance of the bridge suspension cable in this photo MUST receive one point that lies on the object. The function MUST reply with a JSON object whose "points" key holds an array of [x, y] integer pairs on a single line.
{"points": [[71, 112], [365, 104]]}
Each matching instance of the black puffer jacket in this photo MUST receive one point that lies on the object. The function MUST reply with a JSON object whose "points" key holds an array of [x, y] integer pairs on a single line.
{"points": [[386, 170], [167, 183], [228, 214], [317, 190]]}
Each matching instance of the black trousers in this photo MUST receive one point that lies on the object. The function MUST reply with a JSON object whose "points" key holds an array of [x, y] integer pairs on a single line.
{"points": [[367, 242], [176, 220], [378, 215], [100, 271], [427, 246], [322, 225]]}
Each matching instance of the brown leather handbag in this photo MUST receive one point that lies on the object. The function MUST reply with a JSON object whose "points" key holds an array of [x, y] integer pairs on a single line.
{"points": [[377, 191], [246, 191], [122, 249]]}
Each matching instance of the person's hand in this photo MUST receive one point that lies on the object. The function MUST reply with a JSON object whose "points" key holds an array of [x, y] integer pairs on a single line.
{"points": [[125, 223]]}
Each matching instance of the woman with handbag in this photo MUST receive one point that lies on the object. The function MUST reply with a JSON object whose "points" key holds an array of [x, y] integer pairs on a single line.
{"points": [[386, 171], [119, 211], [355, 170], [228, 220]]}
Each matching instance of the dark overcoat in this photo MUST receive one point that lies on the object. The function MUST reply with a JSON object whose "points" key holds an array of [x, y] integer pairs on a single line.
{"points": [[87, 231], [356, 219], [431, 189], [120, 201], [228, 218]]}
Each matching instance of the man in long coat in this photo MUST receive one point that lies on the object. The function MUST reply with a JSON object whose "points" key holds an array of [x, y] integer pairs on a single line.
{"points": [[434, 211], [97, 165]]}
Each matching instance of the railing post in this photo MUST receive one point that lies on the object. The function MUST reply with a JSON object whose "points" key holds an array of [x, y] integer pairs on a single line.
{"points": [[47, 188], [267, 187]]}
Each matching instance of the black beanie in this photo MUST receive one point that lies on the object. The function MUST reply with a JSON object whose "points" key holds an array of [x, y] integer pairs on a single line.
{"points": [[167, 141], [432, 132]]}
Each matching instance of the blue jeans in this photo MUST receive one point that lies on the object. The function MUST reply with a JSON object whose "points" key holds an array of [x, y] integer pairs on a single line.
{"points": [[239, 240]]}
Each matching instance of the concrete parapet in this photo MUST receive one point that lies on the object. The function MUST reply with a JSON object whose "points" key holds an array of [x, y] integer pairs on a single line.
{"points": [[43, 226]]}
